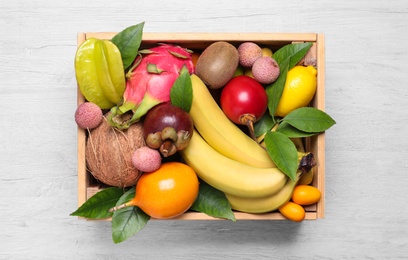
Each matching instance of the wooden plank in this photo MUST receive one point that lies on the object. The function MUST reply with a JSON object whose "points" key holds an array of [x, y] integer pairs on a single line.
{"points": [[83, 178], [320, 104], [203, 37]]}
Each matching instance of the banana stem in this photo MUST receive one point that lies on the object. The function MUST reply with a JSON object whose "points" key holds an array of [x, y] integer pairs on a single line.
{"points": [[307, 163]]}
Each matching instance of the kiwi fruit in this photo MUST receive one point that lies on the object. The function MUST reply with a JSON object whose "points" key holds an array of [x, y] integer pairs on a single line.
{"points": [[217, 64]]}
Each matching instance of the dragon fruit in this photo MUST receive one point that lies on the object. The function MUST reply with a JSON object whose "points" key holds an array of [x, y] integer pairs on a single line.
{"points": [[149, 82]]}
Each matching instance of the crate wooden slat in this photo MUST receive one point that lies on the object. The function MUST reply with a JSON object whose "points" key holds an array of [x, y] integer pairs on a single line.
{"points": [[88, 186]]}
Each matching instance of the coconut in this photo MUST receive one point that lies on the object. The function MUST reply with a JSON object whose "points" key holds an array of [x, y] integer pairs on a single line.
{"points": [[109, 153]]}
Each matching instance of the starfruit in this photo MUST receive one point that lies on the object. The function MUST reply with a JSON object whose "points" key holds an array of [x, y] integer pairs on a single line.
{"points": [[149, 82], [99, 72]]}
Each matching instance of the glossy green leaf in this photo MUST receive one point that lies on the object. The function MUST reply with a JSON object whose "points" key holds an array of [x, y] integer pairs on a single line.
{"points": [[212, 202], [128, 221], [274, 90], [309, 119], [294, 52], [291, 131], [263, 125], [283, 153], [181, 93], [128, 42], [97, 206]]}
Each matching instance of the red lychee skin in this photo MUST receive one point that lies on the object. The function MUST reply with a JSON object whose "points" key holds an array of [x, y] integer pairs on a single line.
{"points": [[88, 115], [265, 70], [249, 52], [146, 159]]}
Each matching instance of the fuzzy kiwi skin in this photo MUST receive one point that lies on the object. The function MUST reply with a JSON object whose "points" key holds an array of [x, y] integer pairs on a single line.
{"points": [[217, 64]]}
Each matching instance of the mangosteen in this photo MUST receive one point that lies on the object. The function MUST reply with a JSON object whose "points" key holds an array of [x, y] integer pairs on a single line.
{"points": [[167, 128]]}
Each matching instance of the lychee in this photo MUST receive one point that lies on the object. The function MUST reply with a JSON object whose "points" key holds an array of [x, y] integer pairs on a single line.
{"points": [[265, 70], [88, 115], [146, 159], [248, 53]]}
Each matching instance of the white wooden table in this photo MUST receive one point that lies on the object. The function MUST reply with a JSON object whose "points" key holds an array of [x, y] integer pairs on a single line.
{"points": [[366, 151]]}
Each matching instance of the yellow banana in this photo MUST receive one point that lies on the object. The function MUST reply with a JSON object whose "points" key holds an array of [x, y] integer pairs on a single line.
{"points": [[298, 142], [264, 204], [307, 178], [228, 175], [221, 133]]}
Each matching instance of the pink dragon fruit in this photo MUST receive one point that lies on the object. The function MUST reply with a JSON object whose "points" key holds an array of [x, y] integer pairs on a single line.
{"points": [[149, 82]]}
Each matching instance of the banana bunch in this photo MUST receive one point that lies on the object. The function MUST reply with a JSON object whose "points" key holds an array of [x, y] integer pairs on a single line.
{"points": [[229, 160]]}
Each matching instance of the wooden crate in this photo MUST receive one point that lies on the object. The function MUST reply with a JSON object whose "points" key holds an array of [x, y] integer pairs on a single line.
{"points": [[88, 186]]}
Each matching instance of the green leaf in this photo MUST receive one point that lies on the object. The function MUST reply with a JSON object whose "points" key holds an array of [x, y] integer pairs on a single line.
{"points": [[212, 202], [294, 52], [291, 131], [181, 93], [274, 90], [128, 42], [97, 207], [263, 125], [128, 221], [283, 153], [309, 119]]}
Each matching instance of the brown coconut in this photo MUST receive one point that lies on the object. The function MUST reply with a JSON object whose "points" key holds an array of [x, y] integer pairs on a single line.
{"points": [[109, 153]]}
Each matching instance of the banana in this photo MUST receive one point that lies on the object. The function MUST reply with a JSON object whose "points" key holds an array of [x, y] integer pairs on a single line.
{"points": [[298, 142], [221, 133], [307, 178], [264, 204], [228, 175]]}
